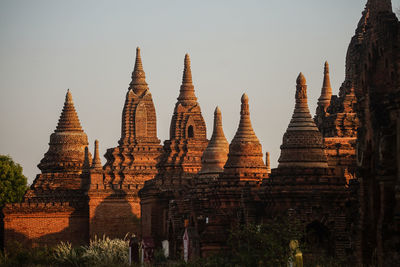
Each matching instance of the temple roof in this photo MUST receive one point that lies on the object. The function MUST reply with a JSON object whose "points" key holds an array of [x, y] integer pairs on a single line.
{"points": [[302, 144], [69, 120], [245, 158], [216, 153], [187, 95], [245, 132]]}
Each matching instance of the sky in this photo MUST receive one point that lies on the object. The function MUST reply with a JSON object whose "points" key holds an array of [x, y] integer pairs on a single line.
{"points": [[255, 46]]}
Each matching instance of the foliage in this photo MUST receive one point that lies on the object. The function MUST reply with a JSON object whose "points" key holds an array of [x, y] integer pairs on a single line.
{"points": [[65, 254], [256, 245], [106, 252], [100, 252], [16, 255], [12, 181]]}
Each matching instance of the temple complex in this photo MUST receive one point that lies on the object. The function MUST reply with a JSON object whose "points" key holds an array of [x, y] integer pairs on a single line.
{"points": [[338, 173]]}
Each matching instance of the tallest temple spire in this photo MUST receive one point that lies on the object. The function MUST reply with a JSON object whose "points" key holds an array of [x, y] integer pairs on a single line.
{"points": [[138, 83]]}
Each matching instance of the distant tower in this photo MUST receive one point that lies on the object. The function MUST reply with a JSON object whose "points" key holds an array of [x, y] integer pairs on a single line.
{"points": [[324, 100], [267, 162]]}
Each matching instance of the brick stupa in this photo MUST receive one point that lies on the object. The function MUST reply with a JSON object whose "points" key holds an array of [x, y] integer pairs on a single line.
{"points": [[245, 158], [55, 206], [302, 145]]}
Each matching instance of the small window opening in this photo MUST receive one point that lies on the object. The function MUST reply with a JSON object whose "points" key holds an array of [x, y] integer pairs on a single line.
{"points": [[190, 131]]}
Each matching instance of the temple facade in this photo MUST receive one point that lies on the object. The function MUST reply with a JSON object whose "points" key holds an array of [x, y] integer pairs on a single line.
{"points": [[338, 173]]}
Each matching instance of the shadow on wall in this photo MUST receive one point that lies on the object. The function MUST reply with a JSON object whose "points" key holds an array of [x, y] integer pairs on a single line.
{"points": [[115, 215]]}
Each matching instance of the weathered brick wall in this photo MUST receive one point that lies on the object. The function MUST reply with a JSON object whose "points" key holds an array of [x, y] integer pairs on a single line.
{"points": [[114, 215], [45, 228]]}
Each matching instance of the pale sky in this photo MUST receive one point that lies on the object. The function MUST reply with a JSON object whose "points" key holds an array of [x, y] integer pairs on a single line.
{"points": [[257, 47]]}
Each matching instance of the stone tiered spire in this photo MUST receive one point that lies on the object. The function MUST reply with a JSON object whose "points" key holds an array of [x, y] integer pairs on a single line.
{"points": [[216, 153], [138, 84], [138, 115], [245, 158], [302, 143], [326, 92], [67, 143], [188, 137], [136, 157], [69, 120], [96, 163], [187, 95]]}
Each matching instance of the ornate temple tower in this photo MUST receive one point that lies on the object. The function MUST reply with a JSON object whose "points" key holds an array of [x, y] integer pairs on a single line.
{"points": [[188, 139], [55, 206], [180, 162], [372, 67], [216, 206], [128, 165], [134, 160]]}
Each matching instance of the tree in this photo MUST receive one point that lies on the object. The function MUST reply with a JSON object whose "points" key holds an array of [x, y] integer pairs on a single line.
{"points": [[13, 183]]}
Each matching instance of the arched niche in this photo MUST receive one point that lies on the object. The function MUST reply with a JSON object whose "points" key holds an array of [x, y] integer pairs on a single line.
{"points": [[141, 120]]}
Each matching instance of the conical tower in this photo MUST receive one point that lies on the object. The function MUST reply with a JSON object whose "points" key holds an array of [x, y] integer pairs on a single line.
{"points": [[188, 138], [216, 153], [302, 144], [245, 158], [326, 92], [67, 144]]}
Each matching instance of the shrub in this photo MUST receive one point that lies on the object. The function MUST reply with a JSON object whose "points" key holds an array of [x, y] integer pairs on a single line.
{"points": [[106, 252]]}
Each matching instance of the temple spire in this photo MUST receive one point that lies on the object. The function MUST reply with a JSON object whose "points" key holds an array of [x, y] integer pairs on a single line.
{"points": [[138, 83], [187, 89], [216, 153], [245, 130], [376, 6], [302, 144], [96, 163], [326, 91], [267, 162], [69, 120], [245, 158]]}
